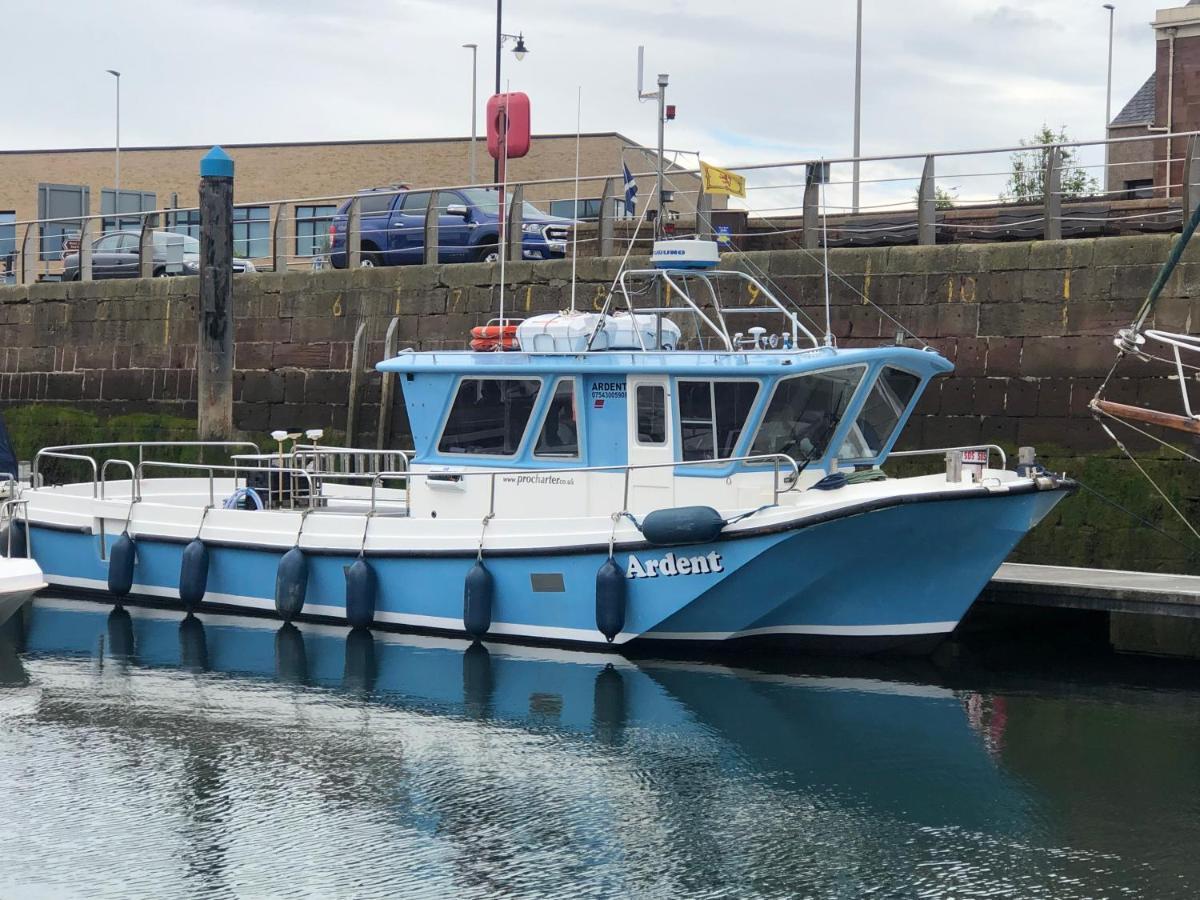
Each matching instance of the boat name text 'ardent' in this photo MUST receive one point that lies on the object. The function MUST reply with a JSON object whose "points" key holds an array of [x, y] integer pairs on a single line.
{"points": [[674, 565]]}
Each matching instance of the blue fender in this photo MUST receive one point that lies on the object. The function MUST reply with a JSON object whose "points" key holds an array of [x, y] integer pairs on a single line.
{"points": [[291, 584], [361, 585], [193, 574], [477, 600], [121, 558]]}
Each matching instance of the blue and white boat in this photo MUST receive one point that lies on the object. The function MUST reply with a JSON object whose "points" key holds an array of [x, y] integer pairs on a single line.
{"points": [[612, 480]]}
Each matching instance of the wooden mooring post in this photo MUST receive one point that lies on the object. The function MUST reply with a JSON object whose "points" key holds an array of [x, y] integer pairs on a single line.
{"points": [[214, 345]]}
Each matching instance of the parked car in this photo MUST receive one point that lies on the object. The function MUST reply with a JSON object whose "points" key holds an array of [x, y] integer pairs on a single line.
{"points": [[117, 254], [393, 228]]}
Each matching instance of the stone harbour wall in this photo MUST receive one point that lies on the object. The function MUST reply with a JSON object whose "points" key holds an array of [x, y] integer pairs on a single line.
{"points": [[1028, 325]]}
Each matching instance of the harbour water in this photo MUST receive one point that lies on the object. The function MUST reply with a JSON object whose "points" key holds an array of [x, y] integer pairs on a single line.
{"points": [[143, 754]]}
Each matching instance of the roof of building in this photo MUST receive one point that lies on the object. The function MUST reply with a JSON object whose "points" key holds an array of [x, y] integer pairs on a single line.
{"points": [[343, 143], [1140, 108]]}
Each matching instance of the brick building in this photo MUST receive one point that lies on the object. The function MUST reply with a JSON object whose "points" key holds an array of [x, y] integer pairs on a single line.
{"points": [[40, 184], [1167, 103]]}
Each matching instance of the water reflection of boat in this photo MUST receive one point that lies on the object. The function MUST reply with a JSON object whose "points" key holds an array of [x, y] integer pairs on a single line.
{"points": [[903, 748]]}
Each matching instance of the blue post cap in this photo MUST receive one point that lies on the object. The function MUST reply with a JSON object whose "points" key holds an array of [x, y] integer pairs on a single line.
{"points": [[216, 164]]}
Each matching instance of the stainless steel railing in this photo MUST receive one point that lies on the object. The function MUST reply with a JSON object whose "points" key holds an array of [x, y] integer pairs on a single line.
{"points": [[72, 452], [923, 184], [942, 451], [8, 517], [776, 459]]}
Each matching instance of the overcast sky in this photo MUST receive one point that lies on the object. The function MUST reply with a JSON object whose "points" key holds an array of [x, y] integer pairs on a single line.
{"points": [[755, 80]]}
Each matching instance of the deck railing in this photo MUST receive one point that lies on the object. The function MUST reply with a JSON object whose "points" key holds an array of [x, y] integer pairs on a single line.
{"points": [[282, 476]]}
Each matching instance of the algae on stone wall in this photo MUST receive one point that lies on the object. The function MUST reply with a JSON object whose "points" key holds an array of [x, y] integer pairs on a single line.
{"points": [[36, 426]]}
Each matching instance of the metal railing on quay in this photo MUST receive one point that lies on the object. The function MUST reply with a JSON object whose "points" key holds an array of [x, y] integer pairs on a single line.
{"points": [[911, 198]]}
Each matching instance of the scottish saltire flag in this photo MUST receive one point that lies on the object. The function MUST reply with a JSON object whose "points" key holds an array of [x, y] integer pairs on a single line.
{"points": [[630, 192]]}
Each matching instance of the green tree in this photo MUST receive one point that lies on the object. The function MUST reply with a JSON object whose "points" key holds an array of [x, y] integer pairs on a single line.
{"points": [[1027, 182], [942, 198]]}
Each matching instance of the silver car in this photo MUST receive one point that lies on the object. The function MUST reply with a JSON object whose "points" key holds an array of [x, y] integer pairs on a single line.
{"points": [[117, 254]]}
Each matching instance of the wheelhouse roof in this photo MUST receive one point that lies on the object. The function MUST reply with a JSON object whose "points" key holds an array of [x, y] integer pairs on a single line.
{"points": [[925, 363]]}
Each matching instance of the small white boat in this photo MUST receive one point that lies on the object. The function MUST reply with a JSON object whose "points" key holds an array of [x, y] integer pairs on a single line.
{"points": [[20, 575], [20, 579]]}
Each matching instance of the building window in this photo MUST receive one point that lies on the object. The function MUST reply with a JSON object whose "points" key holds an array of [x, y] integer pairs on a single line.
{"points": [[312, 229], [489, 416], [122, 213], [8, 239], [1139, 189], [67, 204], [712, 415], [252, 231], [184, 221]]}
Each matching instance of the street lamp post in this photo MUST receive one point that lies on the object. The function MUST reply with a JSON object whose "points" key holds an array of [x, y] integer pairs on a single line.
{"points": [[474, 48], [117, 173], [1108, 92], [857, 100], [519, 52]]}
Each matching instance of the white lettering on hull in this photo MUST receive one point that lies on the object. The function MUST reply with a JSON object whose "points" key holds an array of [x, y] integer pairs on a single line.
{"points": [[671, 565]]}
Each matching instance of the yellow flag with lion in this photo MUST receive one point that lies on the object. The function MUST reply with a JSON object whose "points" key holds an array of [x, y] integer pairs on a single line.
{"points": [[722, 181]]}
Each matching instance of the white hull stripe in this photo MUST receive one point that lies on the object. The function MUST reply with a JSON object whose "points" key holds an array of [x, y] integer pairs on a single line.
{"points": [[443, 623], [913, 628]]}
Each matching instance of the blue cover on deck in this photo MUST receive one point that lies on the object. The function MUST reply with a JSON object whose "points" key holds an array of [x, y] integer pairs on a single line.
{"points": [[8, 460]]}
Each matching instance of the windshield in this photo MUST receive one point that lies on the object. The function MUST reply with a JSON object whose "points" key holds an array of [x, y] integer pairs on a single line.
{"points": [[489, 202], [804, 413]]}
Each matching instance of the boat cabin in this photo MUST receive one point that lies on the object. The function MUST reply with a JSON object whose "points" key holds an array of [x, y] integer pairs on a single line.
{"points": [[684, 422]]}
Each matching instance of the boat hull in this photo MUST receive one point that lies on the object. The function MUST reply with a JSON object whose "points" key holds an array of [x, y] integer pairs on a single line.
{"points": [[900, 575], [20, 579]]}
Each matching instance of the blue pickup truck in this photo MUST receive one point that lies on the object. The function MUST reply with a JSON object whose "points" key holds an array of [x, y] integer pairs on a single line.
{"points": [[393, 228]]}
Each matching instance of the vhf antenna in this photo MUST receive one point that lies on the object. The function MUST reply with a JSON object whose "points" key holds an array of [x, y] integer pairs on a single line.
{"points": [[661, 96]]}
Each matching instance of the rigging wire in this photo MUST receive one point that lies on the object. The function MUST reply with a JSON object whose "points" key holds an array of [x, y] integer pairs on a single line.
{"points": [[1141, 521], [1153, 483], [1167, 444]]}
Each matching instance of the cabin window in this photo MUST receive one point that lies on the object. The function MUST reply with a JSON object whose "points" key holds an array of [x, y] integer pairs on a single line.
{"points": [[889, 398], [712, 415], [559, 437], [804, 412], [651, 414], [489, 416]]}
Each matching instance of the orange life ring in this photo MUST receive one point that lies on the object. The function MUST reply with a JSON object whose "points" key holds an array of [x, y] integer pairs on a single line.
{"points": [[494, 337]]}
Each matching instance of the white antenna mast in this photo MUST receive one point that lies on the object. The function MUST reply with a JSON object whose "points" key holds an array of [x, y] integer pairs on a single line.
{"points": [[825, 243], [505, 218], [575, 208], [661, 96]]}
